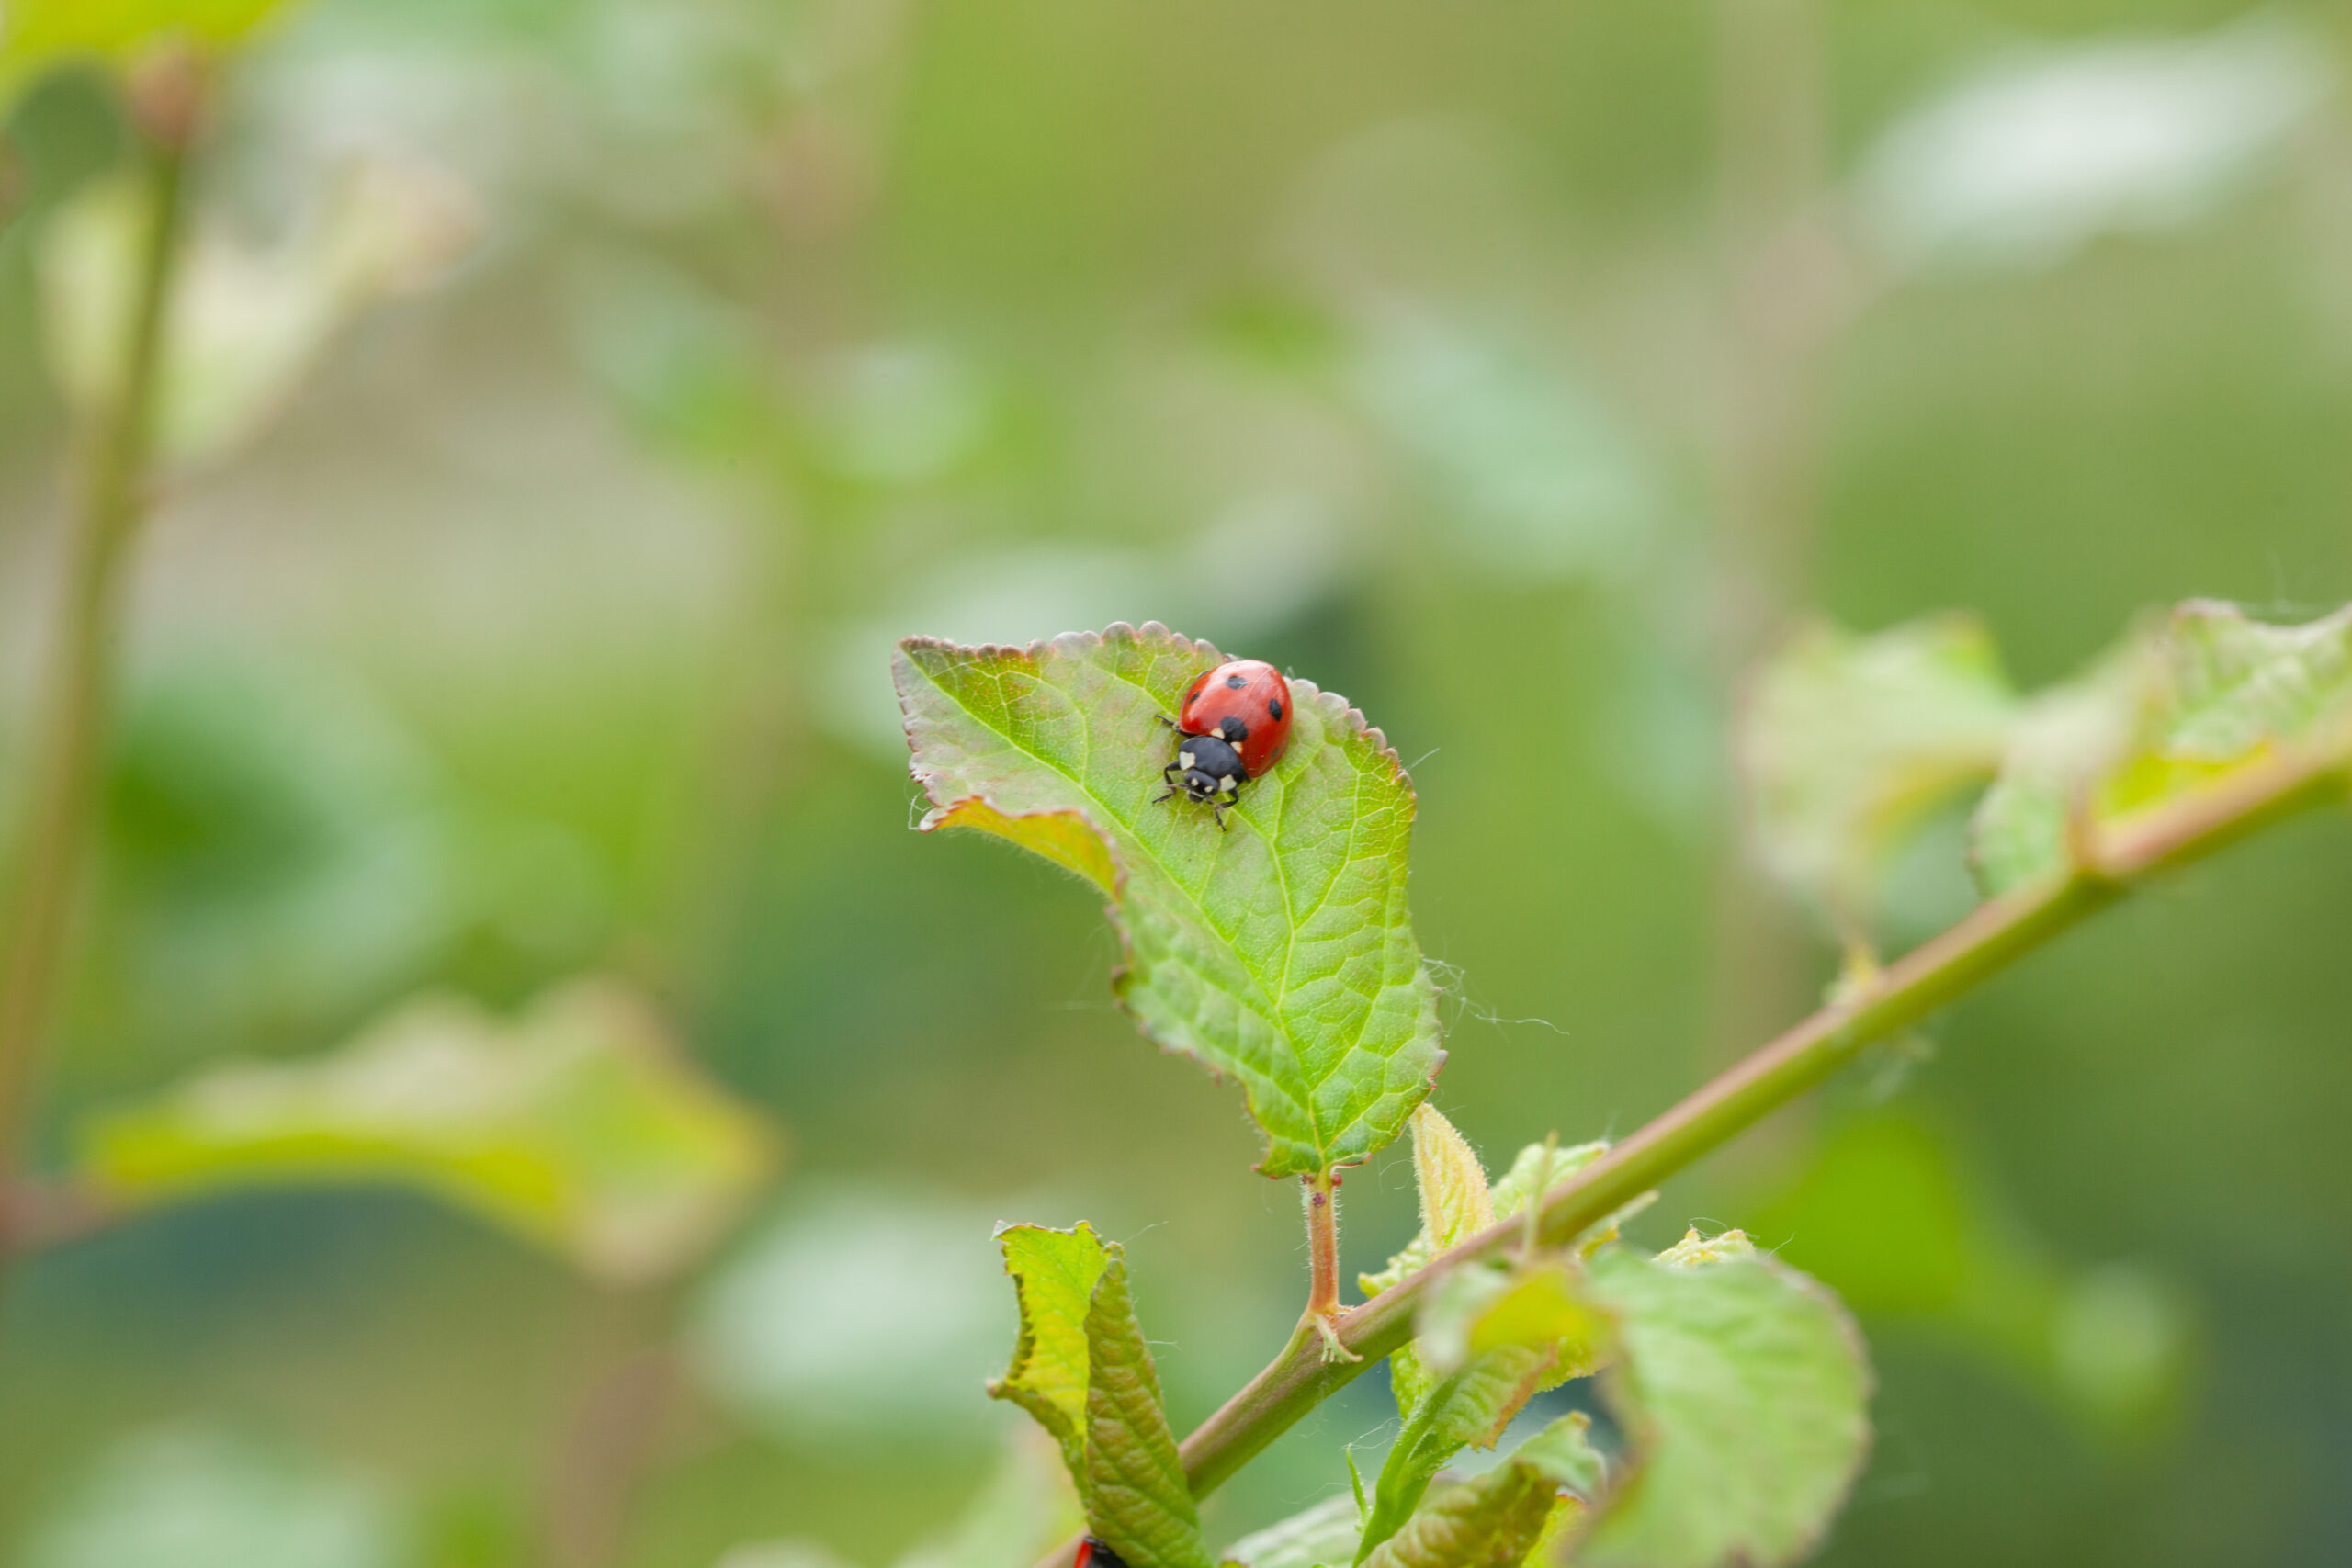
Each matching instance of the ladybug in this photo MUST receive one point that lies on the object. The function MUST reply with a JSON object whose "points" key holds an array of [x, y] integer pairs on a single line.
{"points": [[1234, 723], [1095, 1553]]}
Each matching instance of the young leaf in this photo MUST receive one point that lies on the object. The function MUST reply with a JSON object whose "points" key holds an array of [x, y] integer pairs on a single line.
{"points": [[1279, 950], [1850, 741], [1495, 1520], [578, 1124], [2174, 711], [1456, 1204], [1082, 1368], [1322, 1537], [1744, 1390]]}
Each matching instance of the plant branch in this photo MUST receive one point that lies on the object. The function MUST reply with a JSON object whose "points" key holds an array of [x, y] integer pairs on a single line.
{"points": [[1988, 940], [51, 834]]}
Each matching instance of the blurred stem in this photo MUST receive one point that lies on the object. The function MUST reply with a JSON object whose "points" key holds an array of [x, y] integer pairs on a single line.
{"points": [[2112, 863], [611, 1441], [111, 497], [1780, 313]]}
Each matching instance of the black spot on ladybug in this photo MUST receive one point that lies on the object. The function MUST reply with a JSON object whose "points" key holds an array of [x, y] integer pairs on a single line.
{"points": [[1233, 729], [1236, 681], [1275, 707]]}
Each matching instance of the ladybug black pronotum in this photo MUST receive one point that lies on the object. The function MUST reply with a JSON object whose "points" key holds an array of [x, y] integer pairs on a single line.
{"points": [[1093, 1553], [1234, 723]]}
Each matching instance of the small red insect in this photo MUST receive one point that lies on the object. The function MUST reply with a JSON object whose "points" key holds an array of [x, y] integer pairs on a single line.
{"points": [[1094, 1554], [1232, 728]]}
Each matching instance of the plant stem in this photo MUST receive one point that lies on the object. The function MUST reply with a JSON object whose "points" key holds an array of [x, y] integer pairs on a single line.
{"points": [[111, 498], [1987, 942], [1322, 1246]]}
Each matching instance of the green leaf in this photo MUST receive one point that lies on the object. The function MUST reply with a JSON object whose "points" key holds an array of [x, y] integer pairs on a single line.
{"points": [[1743, 1388], [2175, 710], [578, 1124], [36, 35], [1322, 1537], [1497, 1520], [1279, 952], [1080, 1367], [1851, 742]]}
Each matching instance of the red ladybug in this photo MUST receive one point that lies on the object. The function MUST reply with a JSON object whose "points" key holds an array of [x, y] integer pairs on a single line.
{"points": [[1094, 1554], [1234, 723]]}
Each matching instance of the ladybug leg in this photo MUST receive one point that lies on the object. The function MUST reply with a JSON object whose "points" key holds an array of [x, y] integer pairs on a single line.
{"points": [[1165, 719], [1218, 806]]}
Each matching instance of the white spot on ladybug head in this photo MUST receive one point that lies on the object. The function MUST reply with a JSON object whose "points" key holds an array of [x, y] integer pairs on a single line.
{"points": [[1183, 759]]}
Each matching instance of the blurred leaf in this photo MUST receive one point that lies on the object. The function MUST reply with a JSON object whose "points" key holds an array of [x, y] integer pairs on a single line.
{"points": [[1851, 741], [246, 323], [860, 1318], [1538, 1307], [1890, 1215], [36, 35], [1322, 1537], [2174, 712], [578, 1124], [1281, 950], [1495, 1520], [2034, 156], [1743, 1389], [1026, 1508], [197, 1497], [1080, 1367]]}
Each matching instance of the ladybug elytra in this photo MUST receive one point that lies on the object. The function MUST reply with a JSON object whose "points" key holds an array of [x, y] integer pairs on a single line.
{"points": [[1232, 728], [1094, 1554]]}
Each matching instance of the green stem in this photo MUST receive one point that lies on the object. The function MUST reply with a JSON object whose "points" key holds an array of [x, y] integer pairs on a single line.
{"points": [[51, 834], [1932, 974]]}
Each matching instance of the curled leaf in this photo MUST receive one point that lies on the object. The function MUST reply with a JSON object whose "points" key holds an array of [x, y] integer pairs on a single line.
{"points": [[1279, 952], [1080, 1367]]}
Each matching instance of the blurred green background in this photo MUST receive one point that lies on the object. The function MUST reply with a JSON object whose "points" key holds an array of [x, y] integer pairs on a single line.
{"points": [[1521, 371]]}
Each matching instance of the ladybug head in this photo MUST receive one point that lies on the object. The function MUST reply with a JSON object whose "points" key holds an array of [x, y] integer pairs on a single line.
{"points": [[1210, 766]]}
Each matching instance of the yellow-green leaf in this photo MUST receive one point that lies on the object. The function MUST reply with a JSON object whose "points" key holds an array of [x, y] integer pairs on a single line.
{"points": [[579, 1124]]}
